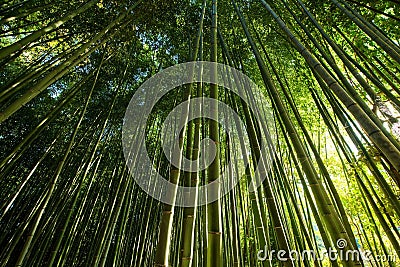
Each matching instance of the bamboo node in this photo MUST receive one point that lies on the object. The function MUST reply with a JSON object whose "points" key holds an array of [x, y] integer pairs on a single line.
{"points": [[214, 233]]}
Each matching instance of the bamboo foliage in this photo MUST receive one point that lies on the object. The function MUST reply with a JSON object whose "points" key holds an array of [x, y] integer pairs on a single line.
{"points": [[330, 72]]}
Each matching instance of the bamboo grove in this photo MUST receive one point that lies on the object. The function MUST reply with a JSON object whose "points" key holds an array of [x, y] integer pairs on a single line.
{"points": [[329, 70]]}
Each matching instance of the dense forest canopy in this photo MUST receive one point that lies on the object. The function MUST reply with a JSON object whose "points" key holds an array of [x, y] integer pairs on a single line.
{"points": [[329, 72]]}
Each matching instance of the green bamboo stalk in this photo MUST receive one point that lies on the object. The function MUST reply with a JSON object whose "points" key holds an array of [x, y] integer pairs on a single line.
{"points": [[214, 247], [6, 51]]}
